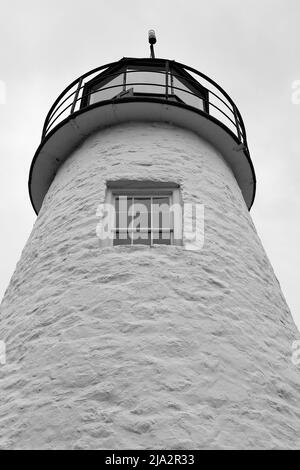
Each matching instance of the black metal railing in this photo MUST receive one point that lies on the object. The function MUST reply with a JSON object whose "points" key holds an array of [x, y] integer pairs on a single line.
{"points": [[194, 86]]}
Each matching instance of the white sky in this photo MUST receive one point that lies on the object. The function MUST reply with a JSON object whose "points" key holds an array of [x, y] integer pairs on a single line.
{"points": [[250, 47]]}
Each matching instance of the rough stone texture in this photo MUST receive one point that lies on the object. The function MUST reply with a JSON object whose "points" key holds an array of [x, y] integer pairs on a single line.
{"points": [[144, 347]]}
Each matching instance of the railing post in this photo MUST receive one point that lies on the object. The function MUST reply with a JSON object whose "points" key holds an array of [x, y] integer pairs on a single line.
{"points": [[237, 124], [124, 79], [206, 102], [76, 95], [167, 79]]}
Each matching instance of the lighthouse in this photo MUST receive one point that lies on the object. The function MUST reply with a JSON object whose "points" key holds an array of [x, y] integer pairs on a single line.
{"points": [[144, 312]]}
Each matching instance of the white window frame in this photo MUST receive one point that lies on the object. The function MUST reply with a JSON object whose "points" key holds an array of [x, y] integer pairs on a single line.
{"points": [[149, 190]]}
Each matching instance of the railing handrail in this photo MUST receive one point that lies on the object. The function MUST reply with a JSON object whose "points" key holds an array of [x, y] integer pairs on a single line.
{"points": [[141, 70], [136, 83], [80, 84]]}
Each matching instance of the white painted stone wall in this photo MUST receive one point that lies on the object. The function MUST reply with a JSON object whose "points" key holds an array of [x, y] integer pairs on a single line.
{"points": [[139, 347]]}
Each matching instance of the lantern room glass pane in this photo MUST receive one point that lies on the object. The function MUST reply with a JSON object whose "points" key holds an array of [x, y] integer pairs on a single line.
{"points": [[148, 80], [145, 81], [187, 95], [104, 92]]}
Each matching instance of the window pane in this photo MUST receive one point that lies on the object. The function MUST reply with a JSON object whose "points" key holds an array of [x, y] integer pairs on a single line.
{"points": [[161, 213], [146, 78], [143, 220], [162, 237], [122, 238], [141, 213], [141, 237], [99, 94], [123, 206], [161, 200], [186, 96]]}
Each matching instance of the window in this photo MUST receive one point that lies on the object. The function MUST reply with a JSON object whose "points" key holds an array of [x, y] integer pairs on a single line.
{"points": [[148, 81], [145, 216], [107, 90], [143, 220], [186, 94], [145, 80]]}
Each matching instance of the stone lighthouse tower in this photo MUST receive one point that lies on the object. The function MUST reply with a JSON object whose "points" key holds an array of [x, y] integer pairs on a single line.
{"points": [[144, 312]]}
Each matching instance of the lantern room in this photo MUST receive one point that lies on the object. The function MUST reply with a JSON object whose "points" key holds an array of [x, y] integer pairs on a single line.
{"points": [[133, 89]]}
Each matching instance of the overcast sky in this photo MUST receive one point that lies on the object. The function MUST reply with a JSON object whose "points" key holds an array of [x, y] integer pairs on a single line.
{"points": [[250, 47]]}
